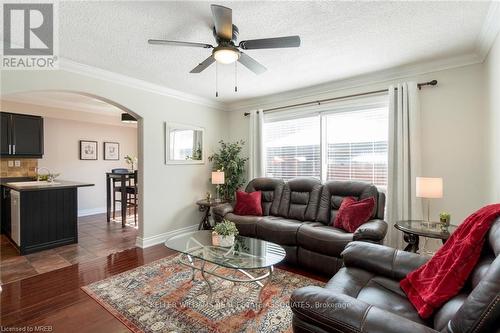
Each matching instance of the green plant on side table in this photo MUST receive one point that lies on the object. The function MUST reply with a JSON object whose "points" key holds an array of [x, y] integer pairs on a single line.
{"points": [[229, 160], [445, 218], [224, 233]]}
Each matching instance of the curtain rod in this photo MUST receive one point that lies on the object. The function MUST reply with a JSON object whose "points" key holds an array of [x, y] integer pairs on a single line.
{"points": [[319, 102]]}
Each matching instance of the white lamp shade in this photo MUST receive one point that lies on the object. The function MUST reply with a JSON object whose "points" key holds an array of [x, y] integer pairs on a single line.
{"points": [[218, 177], [430, 188]]}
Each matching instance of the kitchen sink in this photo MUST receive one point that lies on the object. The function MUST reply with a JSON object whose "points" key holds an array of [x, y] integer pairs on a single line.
{"points": [[33, 183]]}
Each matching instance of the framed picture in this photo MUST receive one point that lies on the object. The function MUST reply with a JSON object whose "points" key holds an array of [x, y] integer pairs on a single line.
{"points": [[111, 151], [88, 150]]}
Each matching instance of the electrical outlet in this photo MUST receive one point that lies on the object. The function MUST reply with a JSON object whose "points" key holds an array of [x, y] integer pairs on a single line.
{"points": [[17, 163], [11, 164]]}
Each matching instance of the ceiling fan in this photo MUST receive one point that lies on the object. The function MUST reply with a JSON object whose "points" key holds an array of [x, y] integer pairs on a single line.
{"points": [[227, 51]]}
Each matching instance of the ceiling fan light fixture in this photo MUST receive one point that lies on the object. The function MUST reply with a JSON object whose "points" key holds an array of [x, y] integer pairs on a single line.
{"points": [[226, 55]]}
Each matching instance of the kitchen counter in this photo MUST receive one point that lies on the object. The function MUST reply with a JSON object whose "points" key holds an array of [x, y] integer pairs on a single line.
{"points": [[57, 184], [38, 215]]}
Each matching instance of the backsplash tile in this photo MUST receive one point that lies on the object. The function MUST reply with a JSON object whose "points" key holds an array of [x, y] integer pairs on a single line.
{"points": [[27, 168]]}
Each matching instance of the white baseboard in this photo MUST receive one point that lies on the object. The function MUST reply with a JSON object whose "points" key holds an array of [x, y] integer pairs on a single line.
{"points": [[161, 238], [91, 211], [94, 211]]}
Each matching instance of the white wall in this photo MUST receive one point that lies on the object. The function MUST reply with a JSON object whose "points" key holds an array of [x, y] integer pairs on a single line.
{"points": [[453, 135], [62, 156], [61, 148], [169, 191], [492, 78]]}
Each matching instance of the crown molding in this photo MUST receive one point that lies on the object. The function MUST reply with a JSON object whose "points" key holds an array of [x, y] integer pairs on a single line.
{"points": [[378, 77], [489, 31], [102, 74]]}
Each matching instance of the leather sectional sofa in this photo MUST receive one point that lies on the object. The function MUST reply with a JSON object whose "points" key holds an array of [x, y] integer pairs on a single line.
{"points": [[297, 215], [364, 296]]}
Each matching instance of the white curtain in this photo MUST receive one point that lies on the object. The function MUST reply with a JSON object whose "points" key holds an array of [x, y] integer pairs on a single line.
{"points": [[255, 145], [404, 158]]}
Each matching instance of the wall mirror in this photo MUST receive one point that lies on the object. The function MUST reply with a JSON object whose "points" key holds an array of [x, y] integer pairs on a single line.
{"points": [[184, 144]]}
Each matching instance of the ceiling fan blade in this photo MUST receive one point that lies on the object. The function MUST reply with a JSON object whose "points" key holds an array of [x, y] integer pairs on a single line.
{"points": [[223, 20], [251, 63], [270, 43], [177, 43], [203, 65]]}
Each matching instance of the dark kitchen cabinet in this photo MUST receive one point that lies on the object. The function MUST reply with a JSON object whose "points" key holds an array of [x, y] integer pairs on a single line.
{"points": [[5, 210], [22, 135], [5, 136]]}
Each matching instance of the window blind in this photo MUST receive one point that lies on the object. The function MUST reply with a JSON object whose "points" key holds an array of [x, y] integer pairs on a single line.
{"points": [[293, 148], [357, 145]]}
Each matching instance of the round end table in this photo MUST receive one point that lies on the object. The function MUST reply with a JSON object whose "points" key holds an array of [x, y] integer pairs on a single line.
{"points": [[205, 206], [412, 229]]}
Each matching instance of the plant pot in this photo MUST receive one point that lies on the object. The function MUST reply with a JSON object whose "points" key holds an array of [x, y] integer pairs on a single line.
{"points": [[445, 222], [223, 241]]}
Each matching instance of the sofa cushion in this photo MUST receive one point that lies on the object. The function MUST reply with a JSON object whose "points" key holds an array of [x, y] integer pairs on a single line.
{"points": [[323, 239], [278, 230], [334, 192], [245, 224], [375, 290], [317, 262], [300, 199], [248, 203], [271, 189]]}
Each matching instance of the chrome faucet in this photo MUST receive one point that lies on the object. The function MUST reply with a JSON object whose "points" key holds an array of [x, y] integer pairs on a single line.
{"points": [[38, 174]]}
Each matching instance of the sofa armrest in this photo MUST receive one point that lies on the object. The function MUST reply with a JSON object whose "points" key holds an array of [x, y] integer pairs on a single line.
{"points": [[380, 259], [332, 312], [373, 231], [222, 209]]}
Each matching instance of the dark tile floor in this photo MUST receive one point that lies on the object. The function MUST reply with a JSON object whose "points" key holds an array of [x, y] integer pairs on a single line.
{"points": [[96, 239]]}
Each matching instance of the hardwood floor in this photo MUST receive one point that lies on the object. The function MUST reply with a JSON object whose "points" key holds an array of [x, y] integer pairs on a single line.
{"points": [[96, 238], [54, 301]]}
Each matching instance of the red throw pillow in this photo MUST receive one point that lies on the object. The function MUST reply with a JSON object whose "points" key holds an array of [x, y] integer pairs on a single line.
{"points": [[353, 213], [248, 203]]}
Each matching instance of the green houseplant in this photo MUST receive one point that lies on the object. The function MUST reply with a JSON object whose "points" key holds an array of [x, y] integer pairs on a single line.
{"points": [[229, 160], [224, 233], [444, 217]]}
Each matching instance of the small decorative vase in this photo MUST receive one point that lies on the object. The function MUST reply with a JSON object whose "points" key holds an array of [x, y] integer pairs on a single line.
{"points": [[226, 241], [223, 241], [215, 239], [444, 224]]}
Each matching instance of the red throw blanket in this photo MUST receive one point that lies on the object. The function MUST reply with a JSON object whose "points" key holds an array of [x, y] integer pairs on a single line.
{"points": [[442, 277]]}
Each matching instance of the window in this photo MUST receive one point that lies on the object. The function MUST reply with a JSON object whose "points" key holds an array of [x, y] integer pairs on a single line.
{"points": [[354, 143], [356, 146], [293, 148]]}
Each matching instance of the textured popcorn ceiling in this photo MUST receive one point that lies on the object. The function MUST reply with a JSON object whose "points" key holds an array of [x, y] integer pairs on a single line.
{"points": [[339, 40]]}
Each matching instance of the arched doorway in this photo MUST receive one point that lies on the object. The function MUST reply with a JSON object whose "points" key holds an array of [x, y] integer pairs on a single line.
{"points": [[66, 112]]}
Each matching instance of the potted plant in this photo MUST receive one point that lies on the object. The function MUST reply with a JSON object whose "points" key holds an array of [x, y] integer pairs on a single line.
{"points": [[224, 233], [444, 217], [229, 160], [131, 161]]}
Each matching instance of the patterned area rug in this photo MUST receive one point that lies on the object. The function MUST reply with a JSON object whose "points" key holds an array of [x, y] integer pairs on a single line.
{"points": [[161, 297]]}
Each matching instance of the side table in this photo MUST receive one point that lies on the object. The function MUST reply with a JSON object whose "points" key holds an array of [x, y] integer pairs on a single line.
{"points": [[412, 229], [205, 206]]}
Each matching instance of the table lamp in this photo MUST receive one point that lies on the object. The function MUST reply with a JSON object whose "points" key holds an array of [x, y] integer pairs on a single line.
{"points": [[217, 179], [429, 188]]}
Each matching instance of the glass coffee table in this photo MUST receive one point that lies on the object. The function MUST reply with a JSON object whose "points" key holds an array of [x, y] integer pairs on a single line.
{"points": [[245, 257]]}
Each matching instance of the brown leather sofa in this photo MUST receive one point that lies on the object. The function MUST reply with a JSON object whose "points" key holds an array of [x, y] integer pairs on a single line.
{"points": [[297, 214], [364, 296]]}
